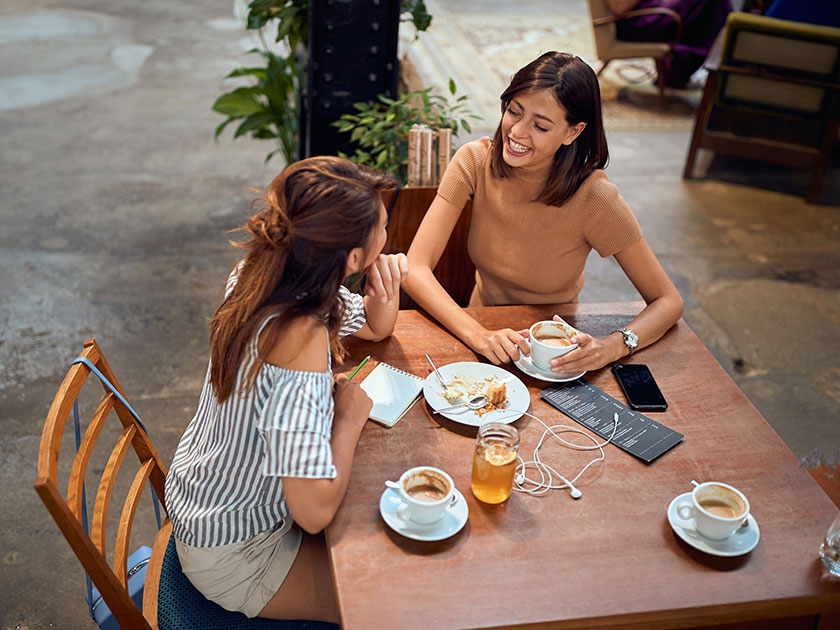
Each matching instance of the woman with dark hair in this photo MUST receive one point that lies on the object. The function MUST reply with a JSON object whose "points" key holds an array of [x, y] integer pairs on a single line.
{"points": [[270, 448], [541, 203]]}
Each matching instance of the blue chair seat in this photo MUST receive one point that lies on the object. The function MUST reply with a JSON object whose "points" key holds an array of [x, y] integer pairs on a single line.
{"points": [[182, 607]]}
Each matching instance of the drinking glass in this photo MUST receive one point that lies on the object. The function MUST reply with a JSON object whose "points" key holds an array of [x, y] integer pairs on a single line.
{"points": [[494, 462], [830, 549]]}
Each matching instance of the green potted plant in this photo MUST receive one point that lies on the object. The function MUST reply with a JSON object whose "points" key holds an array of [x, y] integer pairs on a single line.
{"points": [[380, 130]]}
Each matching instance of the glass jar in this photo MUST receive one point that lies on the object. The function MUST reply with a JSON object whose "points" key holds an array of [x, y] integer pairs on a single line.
{"points": [[494, 462], [830, 549]]}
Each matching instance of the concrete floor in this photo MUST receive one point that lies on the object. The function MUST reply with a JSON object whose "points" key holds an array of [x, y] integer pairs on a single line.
{"points": [[115, 202]]}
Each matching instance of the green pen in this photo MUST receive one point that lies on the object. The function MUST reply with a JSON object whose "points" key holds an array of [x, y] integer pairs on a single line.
{"points": [[358, 367]]}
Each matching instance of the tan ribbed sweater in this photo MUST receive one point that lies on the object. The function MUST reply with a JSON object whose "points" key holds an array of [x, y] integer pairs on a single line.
{"points": [[526, 252]]}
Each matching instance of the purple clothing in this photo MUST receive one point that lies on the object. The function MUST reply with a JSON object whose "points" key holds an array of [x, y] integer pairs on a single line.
{"points": [[702, 20]]}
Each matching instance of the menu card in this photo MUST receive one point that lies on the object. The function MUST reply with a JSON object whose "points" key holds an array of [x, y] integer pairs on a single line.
{"points": [[636, 433]]}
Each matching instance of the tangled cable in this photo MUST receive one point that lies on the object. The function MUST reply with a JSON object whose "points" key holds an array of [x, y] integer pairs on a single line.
{"points": [[546, 472]]}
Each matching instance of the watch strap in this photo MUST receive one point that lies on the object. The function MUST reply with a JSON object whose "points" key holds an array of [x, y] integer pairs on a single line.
{"points": [[631, 339]]}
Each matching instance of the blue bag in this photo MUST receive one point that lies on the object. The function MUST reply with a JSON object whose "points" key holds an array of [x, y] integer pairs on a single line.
{"points": [[136, 565]]}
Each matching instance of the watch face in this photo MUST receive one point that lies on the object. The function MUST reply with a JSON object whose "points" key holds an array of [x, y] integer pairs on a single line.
{"points": [[632, 338]]}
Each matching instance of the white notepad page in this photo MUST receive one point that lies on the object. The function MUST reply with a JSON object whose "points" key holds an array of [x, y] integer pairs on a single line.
{"points": [[392, 391]]}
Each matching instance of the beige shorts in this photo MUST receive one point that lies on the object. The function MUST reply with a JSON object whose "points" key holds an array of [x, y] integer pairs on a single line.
{"points": [[243, 576]]}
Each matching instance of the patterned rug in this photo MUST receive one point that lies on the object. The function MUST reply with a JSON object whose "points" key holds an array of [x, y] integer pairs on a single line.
{"points": [[483, 51]]}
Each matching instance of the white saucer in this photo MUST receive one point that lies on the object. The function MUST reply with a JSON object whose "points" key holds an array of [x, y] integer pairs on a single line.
{"points": [[742, 541], [449, 524], [526, 365]]}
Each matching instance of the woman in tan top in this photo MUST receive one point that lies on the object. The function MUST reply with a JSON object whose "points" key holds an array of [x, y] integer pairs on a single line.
{"points": [[541, 202]]}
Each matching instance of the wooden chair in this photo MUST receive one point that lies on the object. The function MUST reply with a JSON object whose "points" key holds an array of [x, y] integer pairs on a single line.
{"points": [[90, 549], [170, 601], [609, 47], [455, 271], [771, 95]]}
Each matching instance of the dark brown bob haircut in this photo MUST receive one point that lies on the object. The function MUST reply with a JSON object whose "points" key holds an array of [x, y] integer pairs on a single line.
{"points": [[308, 221], [576, 89]]}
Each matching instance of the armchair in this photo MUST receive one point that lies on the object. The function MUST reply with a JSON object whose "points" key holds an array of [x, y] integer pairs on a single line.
{"points": [[773, 94], [609, 47]]}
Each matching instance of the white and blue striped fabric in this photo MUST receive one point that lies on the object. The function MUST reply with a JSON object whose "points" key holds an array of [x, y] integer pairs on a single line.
{"points": [[224, 484]]}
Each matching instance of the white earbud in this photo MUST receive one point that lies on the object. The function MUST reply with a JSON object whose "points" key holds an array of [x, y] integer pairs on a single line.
{"points": [[545, 483], [576, 494]]}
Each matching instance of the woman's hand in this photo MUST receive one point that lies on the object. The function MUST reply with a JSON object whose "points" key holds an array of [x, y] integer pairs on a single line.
{"points": [[382, 296], [384, 277], [500, 346], [351, 401], [592, 353]]}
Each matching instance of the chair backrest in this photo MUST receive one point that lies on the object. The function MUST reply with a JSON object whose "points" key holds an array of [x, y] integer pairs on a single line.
{"points": [[604, 33], [779, 66], [455, 271], [90, 549]]}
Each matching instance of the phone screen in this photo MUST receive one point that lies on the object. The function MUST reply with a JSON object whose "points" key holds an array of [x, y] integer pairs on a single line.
{"points": [[639, 388]]}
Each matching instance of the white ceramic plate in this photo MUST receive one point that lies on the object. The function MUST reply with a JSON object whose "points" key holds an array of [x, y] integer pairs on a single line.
{"points": [[526, 365], [447, 525], [518, 397], [742, 541]]}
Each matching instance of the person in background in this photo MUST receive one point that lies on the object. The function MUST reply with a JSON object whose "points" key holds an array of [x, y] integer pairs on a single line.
{"points": [[702, 20], [265, 462], [541, 203], [821, 12]]}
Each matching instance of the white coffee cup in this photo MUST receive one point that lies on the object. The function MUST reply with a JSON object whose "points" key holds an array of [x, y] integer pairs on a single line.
{"points": [[426, 493], [718, 509], [543, 350]]}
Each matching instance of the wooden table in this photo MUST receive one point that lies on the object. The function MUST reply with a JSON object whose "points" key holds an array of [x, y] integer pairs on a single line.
{"points": [[609, 559]]}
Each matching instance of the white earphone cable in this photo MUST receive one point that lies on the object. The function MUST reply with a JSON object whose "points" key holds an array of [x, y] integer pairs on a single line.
{"points": [[522, 483]]}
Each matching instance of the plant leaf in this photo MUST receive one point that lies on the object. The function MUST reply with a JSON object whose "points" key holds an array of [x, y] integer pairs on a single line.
{"points": [[239, 103], [254, 121]]}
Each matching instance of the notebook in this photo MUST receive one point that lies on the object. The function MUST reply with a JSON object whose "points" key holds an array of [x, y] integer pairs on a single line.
{"points": [[392, 391]]}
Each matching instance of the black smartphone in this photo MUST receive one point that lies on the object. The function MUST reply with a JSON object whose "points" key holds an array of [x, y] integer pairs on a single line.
{"points": [[639, 388]]}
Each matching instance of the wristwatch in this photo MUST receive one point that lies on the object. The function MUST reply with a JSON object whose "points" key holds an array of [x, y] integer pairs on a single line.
{"points": [[631, 339]]}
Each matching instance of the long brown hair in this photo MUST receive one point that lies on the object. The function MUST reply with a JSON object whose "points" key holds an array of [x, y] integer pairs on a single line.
{"points": [[312, 215], [576, 89]]}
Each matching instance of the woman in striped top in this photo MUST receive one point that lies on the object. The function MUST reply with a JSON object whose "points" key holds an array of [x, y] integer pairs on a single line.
{"points": [[541, 204], [269, 451]]}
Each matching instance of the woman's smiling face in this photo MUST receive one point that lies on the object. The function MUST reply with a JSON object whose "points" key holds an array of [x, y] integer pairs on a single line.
{"points": [[533, 128]]}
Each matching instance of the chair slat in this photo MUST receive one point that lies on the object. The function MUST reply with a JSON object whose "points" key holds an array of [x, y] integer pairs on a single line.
{"points": [[106, 486], [77, 472], [127, 519], [145, 450]]}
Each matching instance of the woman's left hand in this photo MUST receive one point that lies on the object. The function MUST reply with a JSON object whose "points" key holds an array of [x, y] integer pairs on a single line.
{"points": [[592, 353], [384, 277]]}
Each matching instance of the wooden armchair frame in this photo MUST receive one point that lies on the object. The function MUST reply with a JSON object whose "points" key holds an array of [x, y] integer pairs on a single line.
{"points": [[743, 113]]}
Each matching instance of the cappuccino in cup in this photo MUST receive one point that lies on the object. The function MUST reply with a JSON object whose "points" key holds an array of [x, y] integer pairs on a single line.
{"points": [[549, 340], [718, 510], [426, 494]]}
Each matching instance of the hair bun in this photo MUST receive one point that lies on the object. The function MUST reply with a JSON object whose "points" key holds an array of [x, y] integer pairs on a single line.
{"points": [[275, 234]]}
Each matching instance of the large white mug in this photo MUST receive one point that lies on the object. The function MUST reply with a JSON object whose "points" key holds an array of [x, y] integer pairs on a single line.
{"points": [[548, 340], [718, 509], [426, 493]]}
